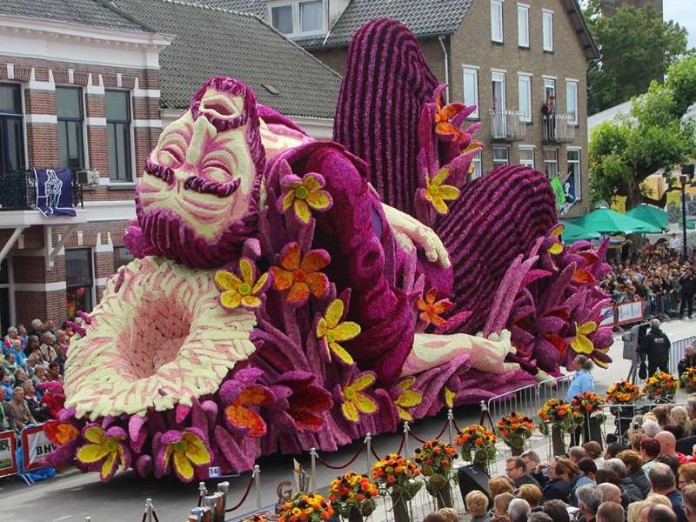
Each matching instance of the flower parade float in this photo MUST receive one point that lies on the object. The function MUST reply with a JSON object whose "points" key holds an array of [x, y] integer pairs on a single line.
{"points": [[290, 293]]}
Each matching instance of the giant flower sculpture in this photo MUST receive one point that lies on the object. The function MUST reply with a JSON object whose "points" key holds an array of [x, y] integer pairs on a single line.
{"points": [[290, 293]]}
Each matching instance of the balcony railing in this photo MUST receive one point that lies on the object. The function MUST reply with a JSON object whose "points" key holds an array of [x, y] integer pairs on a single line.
{"points": [[558, 128], [508, 125], [18, 190]]}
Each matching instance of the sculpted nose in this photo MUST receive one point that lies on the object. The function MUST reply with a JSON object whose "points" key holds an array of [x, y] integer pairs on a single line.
{"points": [[203, 132]]}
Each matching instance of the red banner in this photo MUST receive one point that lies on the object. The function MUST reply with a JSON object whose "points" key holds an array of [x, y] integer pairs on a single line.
{"points": [[8, 459]]}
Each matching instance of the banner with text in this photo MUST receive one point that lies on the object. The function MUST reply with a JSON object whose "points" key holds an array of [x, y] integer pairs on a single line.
{"points": [[36, 447]]}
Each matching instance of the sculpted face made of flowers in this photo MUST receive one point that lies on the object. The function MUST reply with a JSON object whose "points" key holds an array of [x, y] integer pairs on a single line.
{"points": [[198, 198]]}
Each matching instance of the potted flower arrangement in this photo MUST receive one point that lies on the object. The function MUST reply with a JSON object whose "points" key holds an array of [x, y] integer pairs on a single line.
{"points": [[396, 476], [661, 387], [514, 429], [478, 444], [306, 507], [558, 415], [623, 393], [688, 379], [435, 459], [352, 496], [588, 408]]}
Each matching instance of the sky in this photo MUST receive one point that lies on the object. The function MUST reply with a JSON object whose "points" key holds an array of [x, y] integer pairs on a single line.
{"points": [[683, 12]]}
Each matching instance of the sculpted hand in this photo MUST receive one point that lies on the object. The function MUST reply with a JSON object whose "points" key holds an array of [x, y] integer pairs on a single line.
{"points": [[487, 354], [419, 235]]}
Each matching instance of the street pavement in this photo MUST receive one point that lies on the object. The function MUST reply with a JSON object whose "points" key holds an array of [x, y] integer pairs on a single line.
{"points": [[72, 496]]}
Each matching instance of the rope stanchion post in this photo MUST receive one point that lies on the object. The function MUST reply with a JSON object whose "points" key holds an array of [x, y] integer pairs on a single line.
{"points": [[407, 430], [257, 484], [450, 425], [313, 479], [202, 492], [148, 510], [368, 444]]}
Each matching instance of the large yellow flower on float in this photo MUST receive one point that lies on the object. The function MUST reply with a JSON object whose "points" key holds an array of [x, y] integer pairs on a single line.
{"points": [[158, 338]]}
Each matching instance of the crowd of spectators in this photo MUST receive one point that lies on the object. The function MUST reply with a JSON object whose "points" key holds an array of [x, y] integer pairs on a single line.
{"points": [[651, 478], [31, 373], [657, 274]]}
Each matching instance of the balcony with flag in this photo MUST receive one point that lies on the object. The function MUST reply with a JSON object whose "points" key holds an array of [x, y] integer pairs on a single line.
{"points": [[507, 125]]}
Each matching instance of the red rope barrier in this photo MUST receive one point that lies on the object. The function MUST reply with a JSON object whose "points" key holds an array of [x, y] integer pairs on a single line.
{"points": [[330, 466], [246, 494], [401, 447], [436, 437]]}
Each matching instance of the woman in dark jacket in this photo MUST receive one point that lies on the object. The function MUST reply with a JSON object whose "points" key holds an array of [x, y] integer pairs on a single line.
{"points": [[564, 473], [634, 472]]}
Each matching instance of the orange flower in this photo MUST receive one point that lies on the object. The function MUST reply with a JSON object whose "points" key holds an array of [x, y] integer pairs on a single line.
{"points": [[443, 115], [300, 275], [431, 309]]}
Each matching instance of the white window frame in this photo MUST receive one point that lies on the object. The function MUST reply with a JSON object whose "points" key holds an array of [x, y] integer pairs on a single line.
{"points": [[572, 97], [547, 30], [550, 81], [474, 72], [525, 162], [134, 166], [476, 162], [497, 15], [296, 18], [523, 26], [556, 151], [499, 163], [498, 75], [523, 78], [578, 172]]}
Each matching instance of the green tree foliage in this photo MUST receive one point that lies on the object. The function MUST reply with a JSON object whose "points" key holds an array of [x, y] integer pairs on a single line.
{"points": [[625, 151], [637, 47]]}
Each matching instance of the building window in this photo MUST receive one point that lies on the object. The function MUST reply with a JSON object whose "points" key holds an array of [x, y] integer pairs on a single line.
{"points": [[298, 18], [79, 278], [477, 171], [471, 96], [527, 157], [524, 84], [549, 88], [281, 18], [575, 188], [551, 162], [522, 25], [547, 29], [311, 16], [572, 101], [121, 257], [69, 109], [497, 21], [500, 157], [118, 126], [11, 128]]}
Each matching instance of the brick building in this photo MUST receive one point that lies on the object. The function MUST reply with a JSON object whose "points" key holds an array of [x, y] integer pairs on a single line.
{"points": [[501, 55], [88, 89]]}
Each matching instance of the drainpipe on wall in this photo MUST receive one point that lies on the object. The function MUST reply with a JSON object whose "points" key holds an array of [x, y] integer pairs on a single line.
{"points": [[446, 58]]}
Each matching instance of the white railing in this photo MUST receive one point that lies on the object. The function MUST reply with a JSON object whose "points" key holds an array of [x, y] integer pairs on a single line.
{"points": [[558, 128], [508, 125]]}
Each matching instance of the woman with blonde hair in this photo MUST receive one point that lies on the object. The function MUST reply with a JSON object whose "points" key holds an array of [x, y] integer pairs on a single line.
{"points": [[636, 508], [477, 504], [687, 475], [679, 417], [501, 503], [531, 493], [661, 413]]}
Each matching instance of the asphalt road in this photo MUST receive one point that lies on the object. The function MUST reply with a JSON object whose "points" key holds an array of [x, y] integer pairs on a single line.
{"points": [[72, 496]]}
